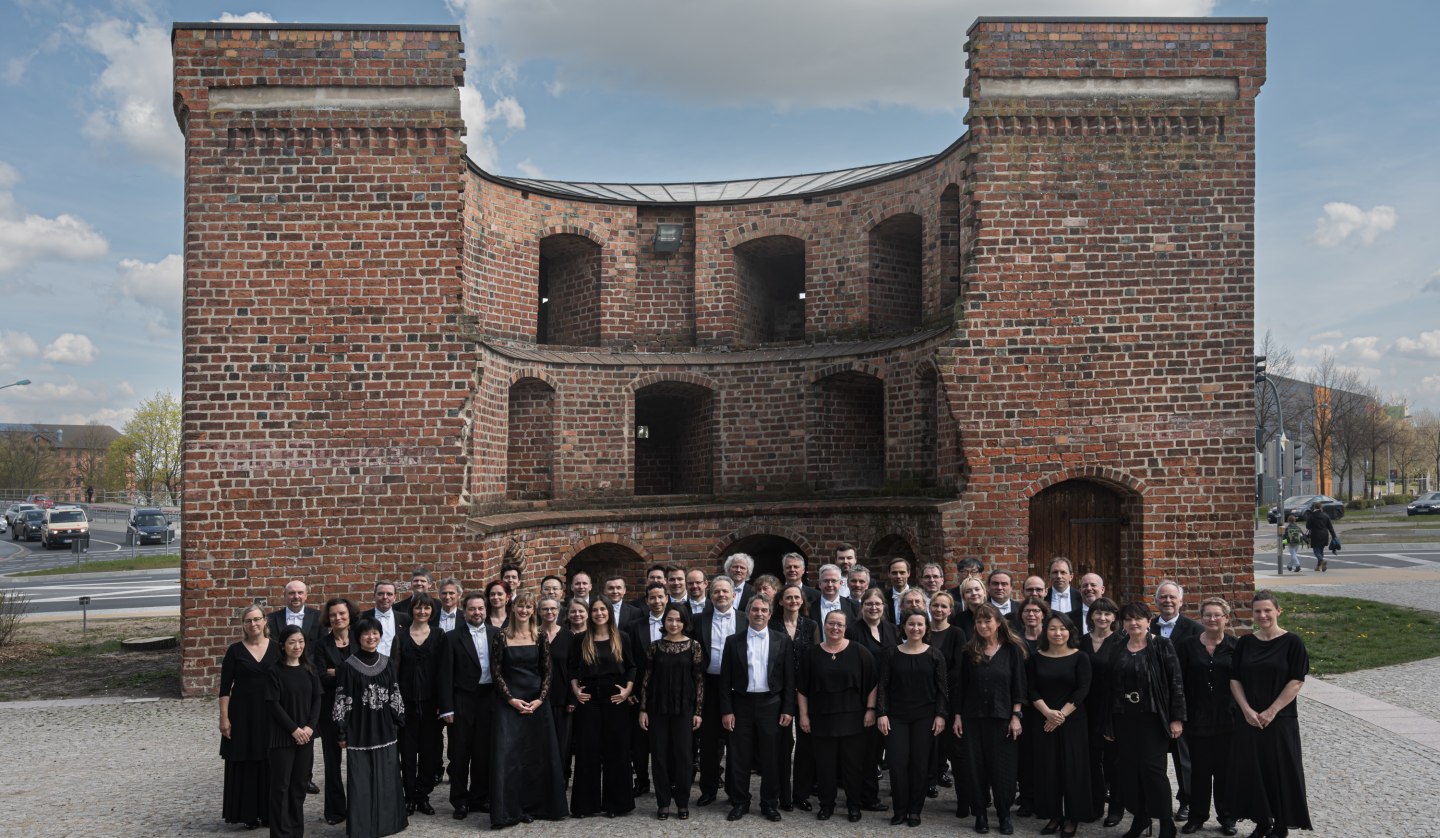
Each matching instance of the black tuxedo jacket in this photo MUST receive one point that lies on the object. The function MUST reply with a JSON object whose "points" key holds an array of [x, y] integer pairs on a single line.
{"points": [[310, 627], [638, 633], [1077, 607], [628, 615], [459, 675], [847, 605], [1184, 628], [702, 623], [735, 670], [402, 620]]}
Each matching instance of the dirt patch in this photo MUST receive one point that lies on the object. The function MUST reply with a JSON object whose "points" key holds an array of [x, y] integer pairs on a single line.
{"points": [[49, 660]]}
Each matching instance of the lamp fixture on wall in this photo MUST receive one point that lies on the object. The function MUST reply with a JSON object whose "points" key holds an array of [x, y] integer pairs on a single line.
{"points": [[668, 236]]}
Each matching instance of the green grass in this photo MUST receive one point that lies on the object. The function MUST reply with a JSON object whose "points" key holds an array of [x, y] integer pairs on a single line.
{"points": [[1345, 635], [137, 563]]}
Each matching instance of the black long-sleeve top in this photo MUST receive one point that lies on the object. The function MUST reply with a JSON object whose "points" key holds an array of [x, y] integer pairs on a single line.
{"points": [[1153, 673], [912, 687], [369, 710], [1209, 706], [294, 701], [674, 681], [1058, 681], [991, 688], [605, 668], [418, 664]]}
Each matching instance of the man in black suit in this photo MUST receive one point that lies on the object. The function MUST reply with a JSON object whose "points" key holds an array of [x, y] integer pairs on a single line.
{"points": [[738, 567], [655, 575], [420, 583], [712, 627], [900, 571], [384, 613], [624, 613], [999, 584], [1062, 596], [697, 588], [296, 614], [1175, 627], [448, 616], [644, 631], [465, 696], [757, 698], [845, 558], [1092, 587], [932, 579], [580, 586], [792, 568], [830, 598]]}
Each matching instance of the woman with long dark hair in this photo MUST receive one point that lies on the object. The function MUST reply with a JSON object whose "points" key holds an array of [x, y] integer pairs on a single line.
{"points": [[417, 649], [1206, 664], [1147, 710], [525, 778], [497, 604], [912, 705], [1058, 677], [369, 712], [330, 654], [1269, 669], [245, 720], [672, 696], [294, 701], [876, 634], [1098, 646], [602, 677], [1034, 611], [988, 713], [791, 616]]}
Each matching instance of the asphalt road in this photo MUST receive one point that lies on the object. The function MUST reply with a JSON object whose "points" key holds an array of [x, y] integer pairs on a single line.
{"points": [[132, 590]]}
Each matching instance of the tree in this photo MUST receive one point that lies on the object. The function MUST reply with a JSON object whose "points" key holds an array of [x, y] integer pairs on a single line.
{"points": [[1279, 363], [28, 462], [88, 469], [154, 433], [1327, 408], [1427, 433], [119, 464]]}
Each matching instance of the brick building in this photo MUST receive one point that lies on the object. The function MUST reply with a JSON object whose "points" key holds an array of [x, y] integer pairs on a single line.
{"points": [[1037, 341]]}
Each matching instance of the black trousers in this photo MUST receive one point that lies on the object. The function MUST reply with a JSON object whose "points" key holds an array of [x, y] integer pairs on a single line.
{"points": [[672, 758], [754, 742], [470, 737], [951, 748], [1025, 769], [797, 764], [419, 749], [994, 761], [639, 747], [1142, 782], [1102, 763], [334, 783], [712, 738], [601, 733], [289, 775], [1209, 770], [872, 745], [1180, 755], [838, 757], [909, 747]]}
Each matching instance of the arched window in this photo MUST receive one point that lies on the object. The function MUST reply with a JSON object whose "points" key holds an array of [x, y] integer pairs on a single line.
{"points": [[674, 439], [896, 259], [770, 289], [569, 291], [845, 441]]}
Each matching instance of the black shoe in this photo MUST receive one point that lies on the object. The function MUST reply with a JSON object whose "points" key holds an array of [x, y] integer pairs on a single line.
{"points": [[947, 779], [1069, 833], [409, 808], [1228, 828], [1006, 826], [912, 820], [1183, 813], [824, 813], [737, 812], [854, 815], [804, 806], [932, 792], [1167, 828], [772, 815], [875, 807], [460, 812], [786, 807], [982, 824], [1025, 811], [1052, 827], [662, 815], [705, 799], [642, 788], [683, 814], [1137, 828], [1192, 827], [424, 807], [898, 819], [524, 818], [334, 820], [1115, 816], [311, 788], [1262, 830]]}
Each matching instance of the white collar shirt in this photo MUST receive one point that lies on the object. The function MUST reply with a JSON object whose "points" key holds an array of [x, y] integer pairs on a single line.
{"points": [[294, 618], [1002, 607], [696, 605], [758, 661], [1060, 600], [827, 606], [1167, 628], [482, 649], [657, 627], [447, 619], [387, 630], [722, 625]]}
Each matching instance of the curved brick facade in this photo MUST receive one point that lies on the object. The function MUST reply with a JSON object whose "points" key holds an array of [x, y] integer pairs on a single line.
{"points": [[416, 363]]}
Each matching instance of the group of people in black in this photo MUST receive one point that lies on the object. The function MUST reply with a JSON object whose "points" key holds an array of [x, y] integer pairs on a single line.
{"points": [[1059, 705]]}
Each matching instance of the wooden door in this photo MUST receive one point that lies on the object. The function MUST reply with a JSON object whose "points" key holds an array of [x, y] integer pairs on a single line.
{"points": [[1080, 520]]}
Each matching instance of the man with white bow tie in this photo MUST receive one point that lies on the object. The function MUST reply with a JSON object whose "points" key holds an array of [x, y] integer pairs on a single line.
{"points": [[384, 613], [712, 628]]}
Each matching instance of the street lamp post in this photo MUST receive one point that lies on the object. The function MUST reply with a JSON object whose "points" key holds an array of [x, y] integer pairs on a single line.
{"points": [[21, 383], [1261, 378]]}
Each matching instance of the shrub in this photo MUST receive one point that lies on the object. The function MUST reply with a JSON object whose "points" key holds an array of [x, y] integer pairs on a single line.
{"points": [[13, 605]]}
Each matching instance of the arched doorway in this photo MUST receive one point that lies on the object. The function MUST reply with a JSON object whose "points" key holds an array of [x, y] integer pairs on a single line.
{"points": [[766, 550], [892, 546], [1089, 523], [608, 559]]}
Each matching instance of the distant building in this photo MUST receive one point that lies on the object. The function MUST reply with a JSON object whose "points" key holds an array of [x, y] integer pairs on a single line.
{"points": [[71, 453]]}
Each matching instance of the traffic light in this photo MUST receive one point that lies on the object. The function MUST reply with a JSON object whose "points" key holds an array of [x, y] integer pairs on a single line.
{"points": [[1259, 368], [1299, 451]]}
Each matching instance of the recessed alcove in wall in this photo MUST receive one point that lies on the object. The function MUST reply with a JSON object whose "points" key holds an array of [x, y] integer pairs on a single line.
{"points": [[949, 245], [845, 432], [896, 261], [770, 289], [674, 439], [569, 291], [530, 452], [765, 549]]}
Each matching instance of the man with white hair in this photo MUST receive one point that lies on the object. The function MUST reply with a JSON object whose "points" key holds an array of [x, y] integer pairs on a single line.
{"points": [[830, 598], [1176, 627], [738, 567]]}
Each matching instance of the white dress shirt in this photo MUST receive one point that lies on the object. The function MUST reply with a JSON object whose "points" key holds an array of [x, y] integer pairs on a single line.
{"points": [[696, 605], [482, 647], [295, 618], [896, 596], [387, 630], [657, 627], [448, 618], [758, 661], [1002, 607], [1167, 628], [1060, 600], [721, 627], [826, 607]]}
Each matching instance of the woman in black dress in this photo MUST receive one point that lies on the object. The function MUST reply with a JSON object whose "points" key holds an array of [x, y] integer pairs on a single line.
{"points": [[1147, 710], [1098, 646], [1033, 613], [602, 677], [1058, 676], [525, 778], [328, 656], [987, 714], [911, 706], [245, 720], [672, 695], [972, 596], [417, 649], [1265, 763], [875, 633], [950, 640], [497, 604], [792, 618], [558, 636], [294, 700], [369, 713], [835, 690], [1205, 665]]}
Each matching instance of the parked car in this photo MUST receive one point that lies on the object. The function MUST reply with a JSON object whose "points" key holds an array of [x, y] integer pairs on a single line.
{"points": [[1427, 504], [12, 514], [42, 501], [27, 526], [62, 525], [1300, 504], [148, 525]]}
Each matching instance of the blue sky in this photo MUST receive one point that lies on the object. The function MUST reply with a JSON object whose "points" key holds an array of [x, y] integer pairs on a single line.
{"points": [[1348, 260]]}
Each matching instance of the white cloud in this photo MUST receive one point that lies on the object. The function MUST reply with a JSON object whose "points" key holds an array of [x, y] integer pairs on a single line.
{"points": [[26, 238], [248, 17], [15, 347], [1363, 347], [15, 67], [1333, 335], [134, 92], [115, 417], [1427, 345], [1342, 220], [155, 287], [1430, 384], [71, 348], [799, 53], [479, 118], [529, 169]]}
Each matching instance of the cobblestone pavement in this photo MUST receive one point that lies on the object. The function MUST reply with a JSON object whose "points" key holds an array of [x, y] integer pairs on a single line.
{"points": [[1414, 685], [152, 770]]}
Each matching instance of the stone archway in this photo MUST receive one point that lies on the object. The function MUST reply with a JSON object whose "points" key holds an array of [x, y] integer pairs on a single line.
{"points": [[605, 559], [765, 549]]}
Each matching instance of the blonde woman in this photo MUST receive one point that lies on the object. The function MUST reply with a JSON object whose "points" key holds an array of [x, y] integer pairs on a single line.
{"points": [[245, 720]]}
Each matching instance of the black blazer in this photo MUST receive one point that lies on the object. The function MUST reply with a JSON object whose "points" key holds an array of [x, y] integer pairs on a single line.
{"points": [[459, 676], [1077, 607], [735, 670], [628, 615], [860, 633], [638, 633], [702, 623], [402, 620], [847, 605], [310, 627], [812, 599], [1185, 628]]}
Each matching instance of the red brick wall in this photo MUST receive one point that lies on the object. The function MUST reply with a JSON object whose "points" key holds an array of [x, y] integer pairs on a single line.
{"points": [[845, 438], [569, 272], [896, 274], [530, 450], [663, 304]]}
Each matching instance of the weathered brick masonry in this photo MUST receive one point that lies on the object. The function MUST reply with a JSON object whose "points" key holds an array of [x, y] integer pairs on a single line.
{"points": [[1037, 341]]}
